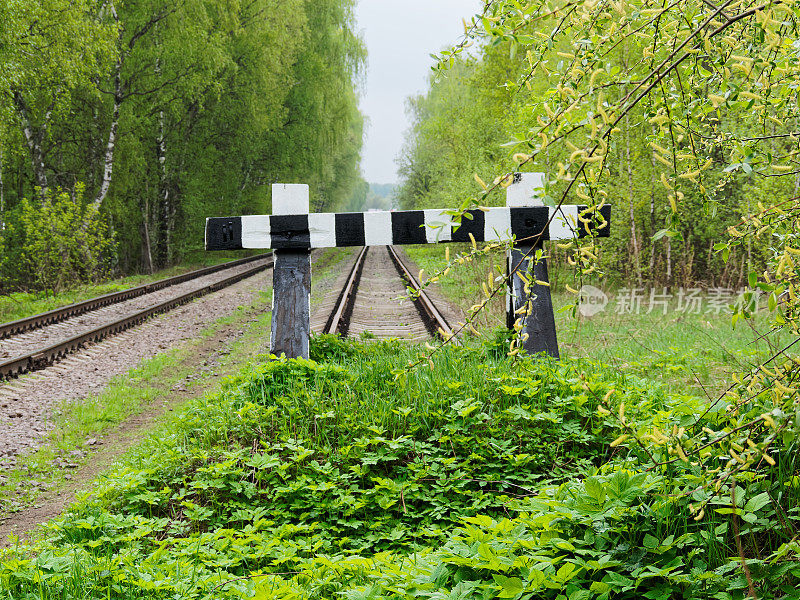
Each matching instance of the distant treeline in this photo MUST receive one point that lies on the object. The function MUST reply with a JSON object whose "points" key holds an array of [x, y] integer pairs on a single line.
{"points": [[474, 112], [124, 124]]}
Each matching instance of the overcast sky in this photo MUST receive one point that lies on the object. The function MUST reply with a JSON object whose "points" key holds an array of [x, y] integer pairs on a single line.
{"points": [[400, 36]]}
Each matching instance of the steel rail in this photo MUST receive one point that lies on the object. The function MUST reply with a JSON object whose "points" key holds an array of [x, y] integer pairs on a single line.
{"points": [[337, 323], [66, 312], [44, 357], [434, 319]]}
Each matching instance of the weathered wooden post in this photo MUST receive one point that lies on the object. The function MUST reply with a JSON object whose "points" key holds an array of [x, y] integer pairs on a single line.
{"points": [[291, 279], [534, 311]]}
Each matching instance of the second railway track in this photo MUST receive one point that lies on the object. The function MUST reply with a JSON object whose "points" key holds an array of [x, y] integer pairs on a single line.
{"points": [[63, 313], [41, 344]]}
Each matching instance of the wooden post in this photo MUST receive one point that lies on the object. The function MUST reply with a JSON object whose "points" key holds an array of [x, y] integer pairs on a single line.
{"points": [[540, 324], [291, 280]]}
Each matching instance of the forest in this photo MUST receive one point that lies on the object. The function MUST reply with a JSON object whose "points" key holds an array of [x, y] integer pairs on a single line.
{"points": [[123, 125], [476, 117]]}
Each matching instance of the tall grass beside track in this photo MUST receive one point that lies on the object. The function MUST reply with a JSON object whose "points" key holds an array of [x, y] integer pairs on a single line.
{"points": [[476, 477], [681, 350]]}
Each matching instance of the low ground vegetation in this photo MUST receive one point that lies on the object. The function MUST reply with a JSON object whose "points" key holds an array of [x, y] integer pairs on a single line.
{"points": [[348, 476]]}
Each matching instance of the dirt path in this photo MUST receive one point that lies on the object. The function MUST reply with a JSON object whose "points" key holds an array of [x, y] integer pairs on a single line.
{"points": [[28, 403], [124, 437]]}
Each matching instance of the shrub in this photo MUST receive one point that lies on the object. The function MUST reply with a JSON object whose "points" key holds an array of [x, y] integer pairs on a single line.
{"points": [[56, 242]]}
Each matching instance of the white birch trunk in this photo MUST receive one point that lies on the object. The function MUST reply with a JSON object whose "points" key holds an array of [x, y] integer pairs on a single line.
{"points": [[167, 211], [108, 163], [147, 253], [634, 240], [669, 261], [652, 213]]}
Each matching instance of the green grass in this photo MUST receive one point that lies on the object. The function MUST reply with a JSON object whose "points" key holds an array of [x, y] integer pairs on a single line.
{"points": [[350, 477], [473, 476], [19, 305], [679, 350]]}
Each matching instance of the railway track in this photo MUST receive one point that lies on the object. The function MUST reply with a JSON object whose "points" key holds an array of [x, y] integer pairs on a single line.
{"points": [[368, 301], [58, 315], [40, 341]]}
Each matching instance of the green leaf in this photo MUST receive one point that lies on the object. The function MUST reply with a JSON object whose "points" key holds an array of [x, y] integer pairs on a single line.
{"points": [[510, 587], [660, 593], [757, 502], [650, 542], [598, 587], [566, 572], [595, 489]]}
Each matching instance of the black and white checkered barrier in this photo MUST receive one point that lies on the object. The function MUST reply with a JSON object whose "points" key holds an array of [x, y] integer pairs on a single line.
{"points": [[382, 228]]}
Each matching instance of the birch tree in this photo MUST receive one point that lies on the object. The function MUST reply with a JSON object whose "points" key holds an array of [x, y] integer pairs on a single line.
{"points": [[49, 49]]}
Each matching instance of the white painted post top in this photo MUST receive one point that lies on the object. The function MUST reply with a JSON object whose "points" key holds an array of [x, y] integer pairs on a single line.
{"points": [[523, 192], [290, 199]]}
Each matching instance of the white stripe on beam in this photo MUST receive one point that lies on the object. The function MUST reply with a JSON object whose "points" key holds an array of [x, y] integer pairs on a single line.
{"points": [[290, 199], [438, 226], [255, 231], [322, 227], [378, 228], [497, 224], [525, 192], [564, 225]]}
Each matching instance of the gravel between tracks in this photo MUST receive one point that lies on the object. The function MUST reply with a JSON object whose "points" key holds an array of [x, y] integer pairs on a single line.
{"points": [[26, 404]]}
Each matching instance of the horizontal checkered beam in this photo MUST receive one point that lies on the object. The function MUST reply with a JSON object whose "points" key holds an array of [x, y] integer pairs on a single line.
{"points": [[383, 228]]}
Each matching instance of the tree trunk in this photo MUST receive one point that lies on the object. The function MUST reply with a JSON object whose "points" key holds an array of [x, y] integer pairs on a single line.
{"points": [[2, 195], [166, 209], [634, 241], [108, 163], [147, 252], [35, 140], [750, 237], [652, 217], [668, 241]]}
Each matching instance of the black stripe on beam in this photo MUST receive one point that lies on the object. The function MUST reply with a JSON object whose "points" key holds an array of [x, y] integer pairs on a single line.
{"points": [[224, 233], [476, 226], [408, 227], [290, 232], [528, 223], [594, 222], [350, 229]]}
